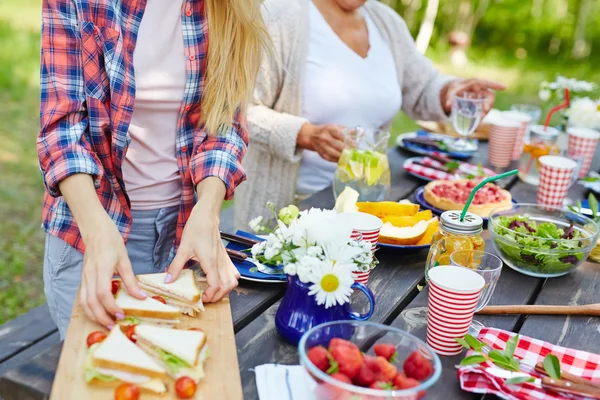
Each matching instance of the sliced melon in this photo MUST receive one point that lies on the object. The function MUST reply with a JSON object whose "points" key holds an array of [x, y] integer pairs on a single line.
{"points": [[384, 209], [406, 236], [401, 221], [432, 228]]}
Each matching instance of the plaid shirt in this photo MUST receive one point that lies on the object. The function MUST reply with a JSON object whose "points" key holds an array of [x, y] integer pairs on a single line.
{"points": [[87, 100]]}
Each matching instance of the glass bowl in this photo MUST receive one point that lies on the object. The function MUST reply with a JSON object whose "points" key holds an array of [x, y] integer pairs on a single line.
{"points": [[365, 335], [542, 257]]}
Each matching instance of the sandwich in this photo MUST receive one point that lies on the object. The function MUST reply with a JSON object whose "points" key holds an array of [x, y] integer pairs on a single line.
{"points": [[116, 360], [149, 311], [183, 293], [180, 352]]}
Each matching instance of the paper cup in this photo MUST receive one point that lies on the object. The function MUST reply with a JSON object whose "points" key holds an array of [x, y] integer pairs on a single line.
{"points": [[366, 224], [362, 277], [453, 295], [556, 176], [503, 134], [524, 119], [583, 143]]}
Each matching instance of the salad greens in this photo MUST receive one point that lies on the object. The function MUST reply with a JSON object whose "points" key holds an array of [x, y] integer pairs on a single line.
{"points": [[132, 321], [173, 363], [539, 247], [92, 373]]}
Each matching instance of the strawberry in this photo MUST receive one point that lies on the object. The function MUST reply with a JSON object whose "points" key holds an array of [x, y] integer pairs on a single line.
{"points": [[342, 378], [365, 376], [381, 385], [387, 351], [319, 356], [402, 382], [386, 371], [349, 360], [337, 342], [418, 367]]}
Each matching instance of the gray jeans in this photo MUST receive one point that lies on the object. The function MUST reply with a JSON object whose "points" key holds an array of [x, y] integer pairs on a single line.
{"points": [[149, 247]]}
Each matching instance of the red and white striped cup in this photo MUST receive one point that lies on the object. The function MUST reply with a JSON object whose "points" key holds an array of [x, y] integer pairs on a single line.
{"points": [[366, 224], [524, 119], [362, 277], [583, 143], [556, 176], [453, 296], [503, 134]]}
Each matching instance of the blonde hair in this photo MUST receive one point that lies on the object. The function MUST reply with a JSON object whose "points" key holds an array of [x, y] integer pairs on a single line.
{"points": [[237, 36]]}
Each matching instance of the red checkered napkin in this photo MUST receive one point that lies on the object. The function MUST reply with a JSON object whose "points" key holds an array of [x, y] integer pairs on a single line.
{"points": [[429, 171], [473, 378]]}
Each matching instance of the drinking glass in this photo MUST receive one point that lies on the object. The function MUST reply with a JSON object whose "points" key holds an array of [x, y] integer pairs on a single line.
{"points": [[485, 264], [533, 111], [467, 111]]}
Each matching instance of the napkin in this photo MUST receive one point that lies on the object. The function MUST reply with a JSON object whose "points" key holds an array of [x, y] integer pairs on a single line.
{"points": [[473, 378], [283, 382], [430, 169]]}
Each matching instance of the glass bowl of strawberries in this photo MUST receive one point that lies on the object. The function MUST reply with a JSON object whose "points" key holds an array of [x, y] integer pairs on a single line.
{"points": [[361, 360]]}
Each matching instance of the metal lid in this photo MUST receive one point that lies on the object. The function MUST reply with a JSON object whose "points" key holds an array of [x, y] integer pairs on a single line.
{"points": [[471, 225]]}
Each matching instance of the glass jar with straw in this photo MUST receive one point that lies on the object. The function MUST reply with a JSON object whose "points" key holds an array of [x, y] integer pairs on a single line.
{"points": [[458, 231]]}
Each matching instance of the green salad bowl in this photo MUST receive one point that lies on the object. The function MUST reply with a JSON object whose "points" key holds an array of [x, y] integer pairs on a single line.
{"points": [[542, 241]]}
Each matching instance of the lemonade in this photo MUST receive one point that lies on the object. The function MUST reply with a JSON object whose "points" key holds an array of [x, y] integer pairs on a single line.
{"points": [[542, 142], [366, 171]]}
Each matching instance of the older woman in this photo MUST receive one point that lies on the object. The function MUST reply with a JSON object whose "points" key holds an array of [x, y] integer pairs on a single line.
{"points": [[338, 63]]}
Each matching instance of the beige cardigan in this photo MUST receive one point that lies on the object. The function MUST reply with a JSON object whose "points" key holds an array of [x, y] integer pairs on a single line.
{"points": [[272, 160]]}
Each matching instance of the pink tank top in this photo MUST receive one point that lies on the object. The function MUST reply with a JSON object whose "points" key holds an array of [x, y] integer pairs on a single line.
{"points": [[150, 169]]}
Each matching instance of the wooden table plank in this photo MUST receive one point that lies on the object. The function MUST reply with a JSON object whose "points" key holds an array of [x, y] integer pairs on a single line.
{"points": [[24, 331], [393, 283], [33, 378]]}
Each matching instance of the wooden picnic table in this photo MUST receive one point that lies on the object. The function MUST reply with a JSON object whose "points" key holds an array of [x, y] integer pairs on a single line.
{"points": [[30, 347]]}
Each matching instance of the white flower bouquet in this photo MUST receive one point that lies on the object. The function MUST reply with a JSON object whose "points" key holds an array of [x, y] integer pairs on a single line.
{"points": [[584, 113], [316, 248]]}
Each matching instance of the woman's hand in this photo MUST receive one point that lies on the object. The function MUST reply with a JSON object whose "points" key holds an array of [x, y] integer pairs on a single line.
{"points": [[478, 86], [105, 255], [105, 252], [201, 241], [327, 140]]}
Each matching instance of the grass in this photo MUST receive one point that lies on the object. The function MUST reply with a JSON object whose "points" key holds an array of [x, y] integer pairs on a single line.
{"points": [[21, 189]]}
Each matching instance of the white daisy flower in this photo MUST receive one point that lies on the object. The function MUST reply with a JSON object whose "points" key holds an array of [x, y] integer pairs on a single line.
{"points": [[290, 268], [256, 224], [331, 284]]}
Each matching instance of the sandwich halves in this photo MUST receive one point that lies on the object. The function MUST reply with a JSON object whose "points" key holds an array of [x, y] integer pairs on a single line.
{"points": [[117, 360], [184, 293]]}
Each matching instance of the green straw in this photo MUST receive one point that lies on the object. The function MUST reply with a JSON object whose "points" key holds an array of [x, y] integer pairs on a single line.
{"points": [[480, 185]]}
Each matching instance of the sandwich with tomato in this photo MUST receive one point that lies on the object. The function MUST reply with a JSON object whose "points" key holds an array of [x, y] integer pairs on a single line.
{"points": [[148, 311], [115, 360], [183, 294], [181, 353]]}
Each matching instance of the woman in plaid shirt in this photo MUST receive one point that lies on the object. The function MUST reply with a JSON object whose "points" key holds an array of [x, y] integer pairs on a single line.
{"points": [[136, 166]]}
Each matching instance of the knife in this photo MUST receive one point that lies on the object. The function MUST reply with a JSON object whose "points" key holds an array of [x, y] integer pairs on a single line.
{"points": [[547, 383], [239, 239]]}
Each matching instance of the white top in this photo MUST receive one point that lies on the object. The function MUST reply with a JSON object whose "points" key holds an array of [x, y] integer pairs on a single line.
{"points": [[340, 87], [150, 167]]}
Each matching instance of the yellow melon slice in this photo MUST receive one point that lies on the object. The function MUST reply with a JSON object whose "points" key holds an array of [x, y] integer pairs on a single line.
{"points": [[432, 228], [406, 236], [402, 222], [383, 209]]}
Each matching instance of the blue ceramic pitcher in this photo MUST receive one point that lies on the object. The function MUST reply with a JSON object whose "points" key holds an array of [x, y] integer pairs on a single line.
{"points": [[298, 312]]}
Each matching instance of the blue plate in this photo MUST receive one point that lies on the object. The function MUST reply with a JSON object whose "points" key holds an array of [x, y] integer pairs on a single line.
{"points": [[458, 155], [248, 269], [419, 196], [403, 249]]}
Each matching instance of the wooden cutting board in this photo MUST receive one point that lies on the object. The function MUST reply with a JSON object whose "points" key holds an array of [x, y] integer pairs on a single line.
{"points": [[222, 380]]}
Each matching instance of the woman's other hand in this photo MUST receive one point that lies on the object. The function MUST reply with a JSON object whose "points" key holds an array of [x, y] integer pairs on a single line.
{"points": [[201, 241], [105, 252], [327, 140], [481, 87]]}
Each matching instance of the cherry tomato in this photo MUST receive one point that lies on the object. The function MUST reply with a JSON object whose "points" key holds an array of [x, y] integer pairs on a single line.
{"points": [[115, 287], [95, 337], [196, 329], [161, 299], [185, 387], [130, 332], [127, 391]]}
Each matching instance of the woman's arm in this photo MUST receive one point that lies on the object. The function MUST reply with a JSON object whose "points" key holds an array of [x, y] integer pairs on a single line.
{"points": [[70, 167]]}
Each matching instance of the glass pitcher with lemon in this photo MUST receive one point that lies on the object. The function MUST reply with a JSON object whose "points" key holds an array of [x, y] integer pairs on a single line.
{"points": [[364, 164], [454, 235]]}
